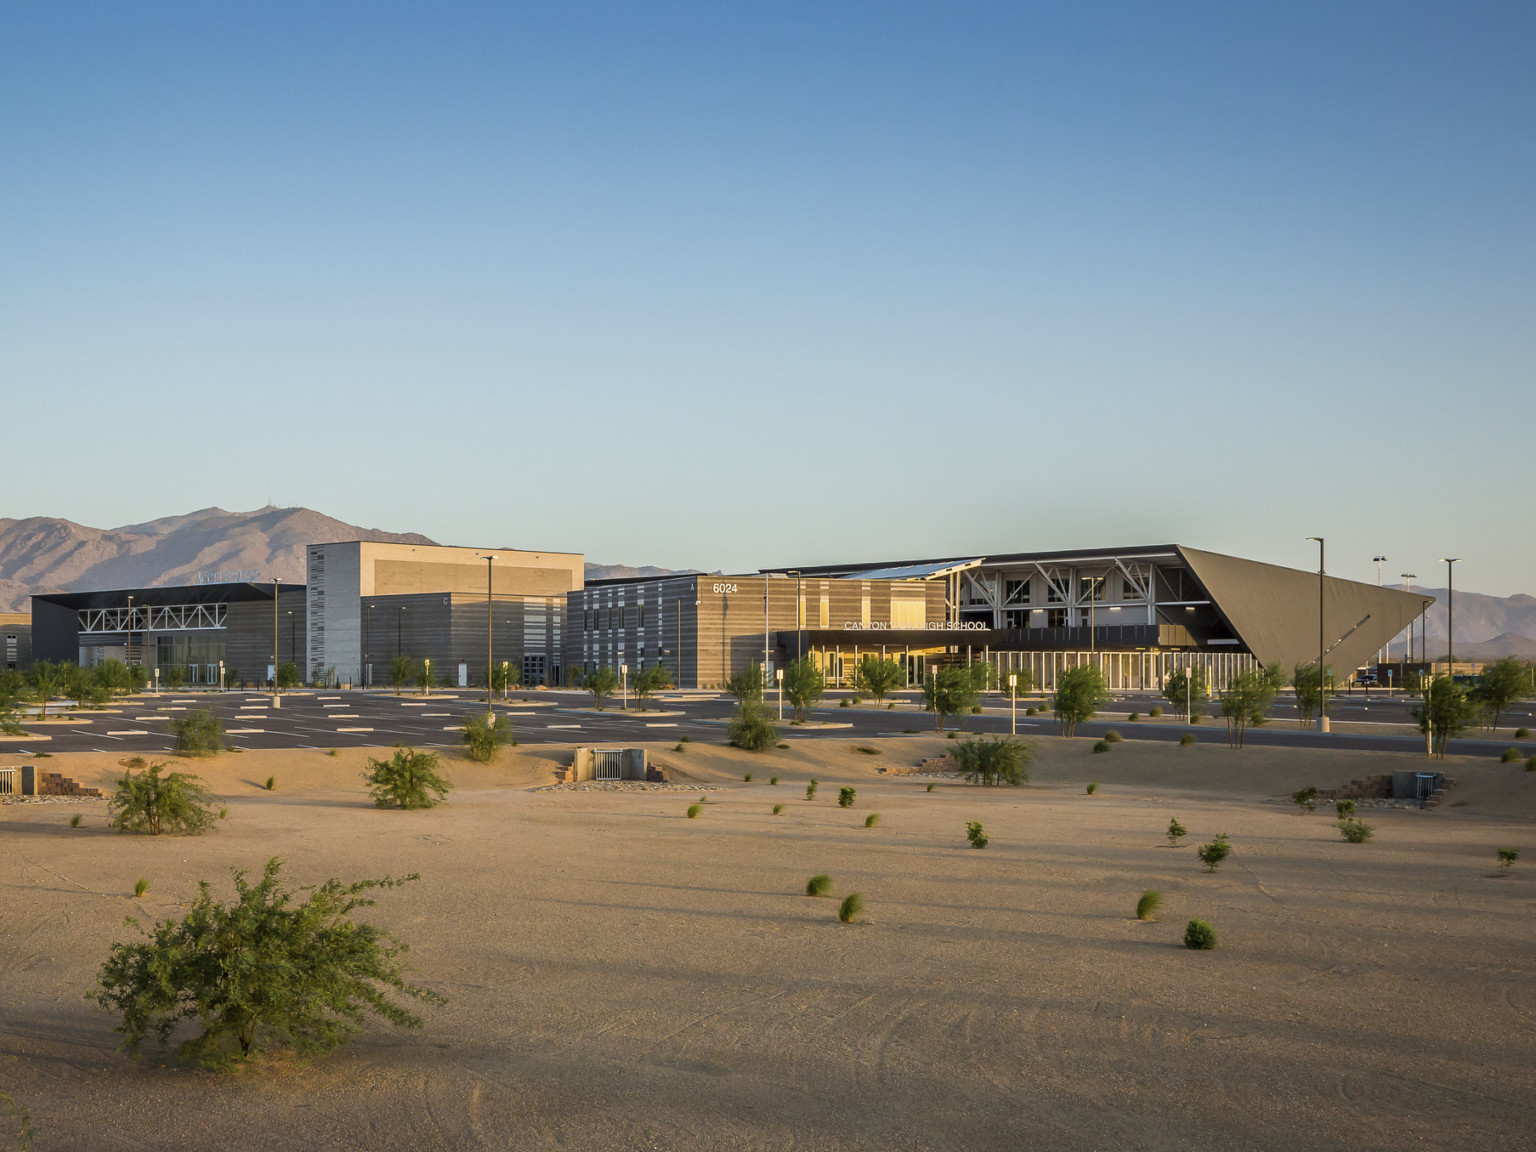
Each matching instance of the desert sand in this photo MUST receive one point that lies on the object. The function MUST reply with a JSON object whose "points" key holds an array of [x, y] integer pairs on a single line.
{"points": [[622, 977]]}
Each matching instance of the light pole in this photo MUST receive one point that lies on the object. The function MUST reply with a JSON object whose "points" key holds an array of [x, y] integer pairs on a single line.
{"points": [[489, 715], [128, 647], [1450, 614], [1013, 695], [1322, 650], [1408, 579], [275, 697], [1380, 560], [623, 687], [778, 674]]}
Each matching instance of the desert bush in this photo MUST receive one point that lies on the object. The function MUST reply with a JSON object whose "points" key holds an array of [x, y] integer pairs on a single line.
{"points": [[694, 810], [1100, 746], [268, 970], [408, 779], [141, 886], [1530, 765], [223, 813], [678, 747], [846, 796], [1176, 832], [867, 751], [1211, 854], [783, 745], [685, 739], [1155, 710], [810, 789], [750, 729], [974, 833], [1305, 799], [1345, 808], [74, 821], [818, 885], [778, 809], [872, 820], [1509, 756], [747, 778], [1113, 737], [271, 784], [975, 709], [1151, 900], [931, 786], [994, 761], [1093, 786], [333, 751], [848, 911], [198, 733], [1199, 935], [1031, 711], [773, 779], [1507, 857], [1522, 733], [843, 703], [485, 736], [149, 803], [1187, 739], [1133, 717], [1356, 831]]}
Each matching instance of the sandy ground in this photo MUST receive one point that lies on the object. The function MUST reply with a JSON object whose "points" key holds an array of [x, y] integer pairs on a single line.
{"points": [[622, 977]]}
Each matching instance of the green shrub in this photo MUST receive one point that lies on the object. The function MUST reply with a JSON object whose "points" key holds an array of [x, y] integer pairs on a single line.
{"points": [[1305, 799], [1113, 737], [1356, 831], [271, 784], [1509, 755], [1213, 853], [909, 731], [685, 740], [747, 779], [975, 709], [485, 737], [1133, 717], [679, 747], [1199, 935], [1155, 710], [974, 833], [773, 779], [1030, 711], [268, 970], [694, 810], [998, 760], [931, 786], [810, 789], [141, 886], [333, 751], [843, 703], [867, 751], [778, 809], [198, 733], [951, 735], [1507, 857], [1176, 831], [872, 820], [408, 779], [848, 911], [1522, 733], [74, 821], [783, 745], [1101, 746], [818, 885], [1151, 900], [750, 729], [1187, 739], [1345, 808], [846, 796], [1093, 786], [223, 813], [146, 802], [1530, 765]]}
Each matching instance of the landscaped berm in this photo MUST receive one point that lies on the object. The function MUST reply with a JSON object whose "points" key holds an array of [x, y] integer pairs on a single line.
{"points": [[598, 971]]}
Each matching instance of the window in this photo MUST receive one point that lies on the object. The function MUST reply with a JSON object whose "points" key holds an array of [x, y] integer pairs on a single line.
{"points": [[909, 613], [1128, 589], [641, 611], [825, 610], [1016, 591], [1052, 593], [1091, 588], [1016, 618], [1056, 618]]}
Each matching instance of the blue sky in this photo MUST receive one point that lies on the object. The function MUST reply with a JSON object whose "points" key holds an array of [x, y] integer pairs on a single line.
{"points": [[726, 285]]}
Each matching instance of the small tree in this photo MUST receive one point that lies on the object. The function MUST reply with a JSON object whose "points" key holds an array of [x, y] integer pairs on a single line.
{"points": [[1247, 698], [602, 682], [995, 761], [879, 678], [746, 685], [1187, 691], [267, 970], [646, 682], [288, 677], [485, 735], [1079, 692], [147, 803], [1199, 935], [174, 677], [950, 692], [804, 684], [1502, 683], [1023, 685], [751, 729], [1305, 799], [1312, 693], [1176, 832], [421, 673], [198, 733], [976, 835], [846, 797], [409, 779], [45, 680], [401, 670], [503, 677], [1446, 713], [1211, 854]]}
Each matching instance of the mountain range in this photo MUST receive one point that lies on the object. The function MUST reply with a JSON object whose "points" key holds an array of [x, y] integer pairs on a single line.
{"points": [[47, 554]]}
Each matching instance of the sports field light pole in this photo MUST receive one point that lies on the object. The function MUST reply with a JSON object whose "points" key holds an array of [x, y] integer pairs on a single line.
{"points": [[1322, 651], [1450, 614], [490, 716]]}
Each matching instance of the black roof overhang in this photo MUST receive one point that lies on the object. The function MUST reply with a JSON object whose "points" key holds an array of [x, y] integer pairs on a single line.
{"points": [[163, 596]]}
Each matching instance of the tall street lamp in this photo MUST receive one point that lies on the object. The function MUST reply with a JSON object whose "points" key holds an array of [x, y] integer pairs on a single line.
{"points": [[1408, 579], [1322, 650], [490, 716], [1450, 614], [1379, 561]]}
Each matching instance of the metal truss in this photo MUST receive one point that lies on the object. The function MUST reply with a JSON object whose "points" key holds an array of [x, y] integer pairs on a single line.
{"points": [[162, 618]]}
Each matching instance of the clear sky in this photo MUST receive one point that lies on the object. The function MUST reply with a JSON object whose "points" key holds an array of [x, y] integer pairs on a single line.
{"points": [[725, 285]]}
